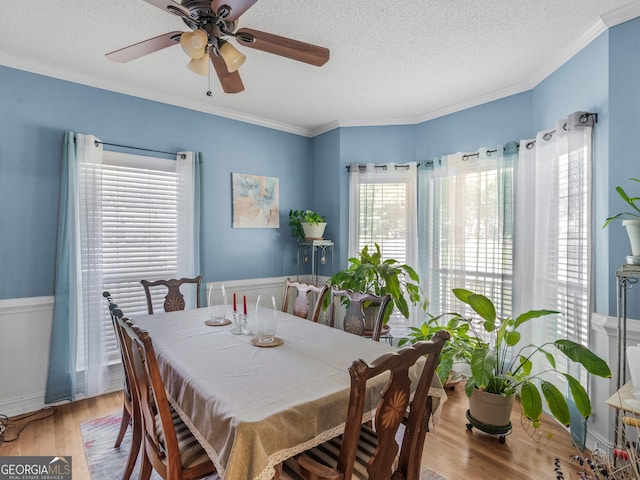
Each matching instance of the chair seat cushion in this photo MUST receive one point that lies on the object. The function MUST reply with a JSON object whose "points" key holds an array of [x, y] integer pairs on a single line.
{"points": [[327, 454], [191, 452]]}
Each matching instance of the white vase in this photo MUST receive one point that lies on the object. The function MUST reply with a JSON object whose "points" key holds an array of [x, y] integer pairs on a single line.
{"points": [[633, 230], [633, 359], [313, 231]]}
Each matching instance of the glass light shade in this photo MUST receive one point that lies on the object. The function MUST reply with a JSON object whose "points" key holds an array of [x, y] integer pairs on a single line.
{"points": [[194, 43], [199, 65], [231, 56]]}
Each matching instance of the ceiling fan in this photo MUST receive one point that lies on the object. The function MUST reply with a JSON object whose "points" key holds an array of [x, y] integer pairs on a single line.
{"points": [[211, 23]]}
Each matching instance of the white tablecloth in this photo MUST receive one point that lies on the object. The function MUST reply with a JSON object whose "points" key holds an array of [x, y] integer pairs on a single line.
{"points": [[253, 407]]}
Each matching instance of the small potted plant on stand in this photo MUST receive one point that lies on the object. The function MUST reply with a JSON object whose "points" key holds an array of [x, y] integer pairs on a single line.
{"points": [[503, 368], [631, 222], [307, 224]]}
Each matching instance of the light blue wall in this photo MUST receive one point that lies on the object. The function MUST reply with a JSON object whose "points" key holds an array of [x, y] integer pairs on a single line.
{"points": [[624, 144], [36, 110], [494, 123], [325, 187]]}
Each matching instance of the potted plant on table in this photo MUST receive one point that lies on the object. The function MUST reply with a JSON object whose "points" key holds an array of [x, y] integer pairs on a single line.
{"points": [[631, 222], [307, 224], [503, 368], [371, 274]]}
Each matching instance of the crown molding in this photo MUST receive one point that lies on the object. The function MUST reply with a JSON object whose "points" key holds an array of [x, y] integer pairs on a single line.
{"points": [[561, 57], [622, 14], [117, 87]]}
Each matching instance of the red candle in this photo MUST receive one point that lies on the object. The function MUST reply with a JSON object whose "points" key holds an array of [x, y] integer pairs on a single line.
{"points": [[245, 304], [235, 308]]}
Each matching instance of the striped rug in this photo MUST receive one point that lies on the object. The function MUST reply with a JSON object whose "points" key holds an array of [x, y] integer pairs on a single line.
{"points": [[107, 463]]}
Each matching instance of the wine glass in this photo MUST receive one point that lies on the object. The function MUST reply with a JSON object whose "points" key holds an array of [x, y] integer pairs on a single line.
{"points": [[266, 319], [218, 304]]}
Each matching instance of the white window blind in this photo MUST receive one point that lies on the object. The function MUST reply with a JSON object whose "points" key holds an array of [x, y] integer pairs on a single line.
{"points": [[383, 219], [139, 231]]}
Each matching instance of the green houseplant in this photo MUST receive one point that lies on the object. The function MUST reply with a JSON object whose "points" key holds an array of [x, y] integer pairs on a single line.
{"points": [[505, 367], [631, 218], [370, 273], [456, 353], [298, 219]]}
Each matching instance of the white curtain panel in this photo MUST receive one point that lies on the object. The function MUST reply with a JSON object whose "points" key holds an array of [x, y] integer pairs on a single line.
{"points": [[188, 263], [553, 228], [86, 294], [553, 240]]}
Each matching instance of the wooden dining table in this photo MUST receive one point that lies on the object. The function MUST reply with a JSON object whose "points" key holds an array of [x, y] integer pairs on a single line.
{"points": [[253, 407]]}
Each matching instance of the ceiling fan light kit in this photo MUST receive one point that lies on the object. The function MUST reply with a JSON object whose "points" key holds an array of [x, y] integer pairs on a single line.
{"points": [[199, 65], [194, 43], [211, 23], [231, 56]]}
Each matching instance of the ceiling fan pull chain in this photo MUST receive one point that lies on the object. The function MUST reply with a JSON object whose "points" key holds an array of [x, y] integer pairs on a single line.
{"points": [[209, 94]]}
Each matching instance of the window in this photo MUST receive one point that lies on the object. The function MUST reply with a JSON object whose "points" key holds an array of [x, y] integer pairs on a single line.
{"points": [[382, 210], [466, 217], [382, 218], [136, 232]]}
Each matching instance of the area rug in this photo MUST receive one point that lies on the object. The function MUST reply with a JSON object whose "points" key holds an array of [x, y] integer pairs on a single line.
{"points": [[107, 463]]}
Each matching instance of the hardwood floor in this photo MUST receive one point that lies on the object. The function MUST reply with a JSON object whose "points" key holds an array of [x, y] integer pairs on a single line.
{"points": [[60, 433], [452, 451]]}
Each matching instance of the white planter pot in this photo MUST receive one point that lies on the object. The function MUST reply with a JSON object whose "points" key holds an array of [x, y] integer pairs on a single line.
{"points": [[633, 230], [313, 231]]}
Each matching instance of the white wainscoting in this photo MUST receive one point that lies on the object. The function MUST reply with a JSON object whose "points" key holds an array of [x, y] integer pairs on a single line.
{"points": [[25, 336], [604, 331]]}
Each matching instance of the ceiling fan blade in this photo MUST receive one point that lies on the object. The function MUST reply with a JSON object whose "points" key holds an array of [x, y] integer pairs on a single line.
{"points": [[137, 50], [171, 7], [230, 81], [234, 7], [283, 46]]}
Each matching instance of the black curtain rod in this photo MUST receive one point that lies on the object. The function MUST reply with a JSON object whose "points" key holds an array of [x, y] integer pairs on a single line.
{"points": [[465, 157], [96, 142], [383, 166]]}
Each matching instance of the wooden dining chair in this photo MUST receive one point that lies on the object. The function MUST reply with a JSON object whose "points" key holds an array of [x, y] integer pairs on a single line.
{"points": [[130, 411], [169, 447], [174, 300], [353, 303], [366, 453], [303, 297]]}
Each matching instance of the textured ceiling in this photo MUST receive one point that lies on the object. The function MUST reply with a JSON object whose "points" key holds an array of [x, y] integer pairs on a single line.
{"points": [[391, 62]]}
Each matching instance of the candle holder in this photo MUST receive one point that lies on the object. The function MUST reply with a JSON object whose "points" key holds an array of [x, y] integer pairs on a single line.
{"points": [[244, 324], [237, 325]]}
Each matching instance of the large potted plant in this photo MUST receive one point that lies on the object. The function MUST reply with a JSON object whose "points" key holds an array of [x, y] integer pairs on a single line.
{"points": [[503, 368], [631, 220], [370, 273], [307, 224]]}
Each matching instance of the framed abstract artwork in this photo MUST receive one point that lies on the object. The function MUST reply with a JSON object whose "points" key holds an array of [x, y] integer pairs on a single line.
{"points": [[255, 201]]}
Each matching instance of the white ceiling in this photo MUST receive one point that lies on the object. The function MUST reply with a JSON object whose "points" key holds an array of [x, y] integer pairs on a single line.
{"points": [[391, 62]]}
